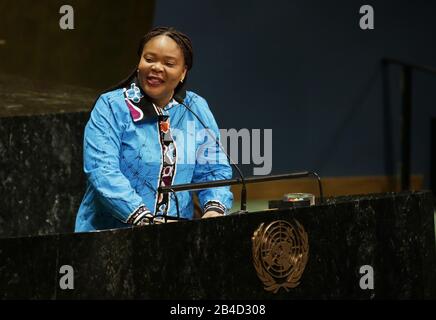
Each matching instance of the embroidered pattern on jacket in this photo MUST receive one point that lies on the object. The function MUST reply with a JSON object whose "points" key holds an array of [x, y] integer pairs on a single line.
{"points": [[141, 216], [169, 159], [133, 97], [214, 205]]}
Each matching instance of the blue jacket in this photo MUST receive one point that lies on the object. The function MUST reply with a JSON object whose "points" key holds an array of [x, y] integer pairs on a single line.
{"points": [[126, 157]]}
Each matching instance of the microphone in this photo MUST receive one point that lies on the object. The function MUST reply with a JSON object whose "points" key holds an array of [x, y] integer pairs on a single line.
{"points": [[179, 97]]}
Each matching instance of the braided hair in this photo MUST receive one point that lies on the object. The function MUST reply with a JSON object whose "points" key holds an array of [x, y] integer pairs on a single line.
{"points": [[180, 38]]}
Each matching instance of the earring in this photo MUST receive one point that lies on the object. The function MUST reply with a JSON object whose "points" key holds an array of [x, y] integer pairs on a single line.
{"points": [[181, 81]]}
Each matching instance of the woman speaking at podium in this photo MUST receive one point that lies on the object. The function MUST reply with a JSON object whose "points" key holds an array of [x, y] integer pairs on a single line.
{"points": [[141, 136]]}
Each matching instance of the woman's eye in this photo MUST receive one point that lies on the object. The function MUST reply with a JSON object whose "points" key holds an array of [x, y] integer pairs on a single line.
{"points": [[170, 64], [149, 59]]}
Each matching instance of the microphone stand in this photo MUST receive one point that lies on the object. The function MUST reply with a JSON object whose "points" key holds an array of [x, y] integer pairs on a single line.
{"points": [[228, 182], [180, 99]]}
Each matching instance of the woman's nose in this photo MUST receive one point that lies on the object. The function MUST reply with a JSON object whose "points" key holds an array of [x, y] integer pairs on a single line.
{"points": [[156, 66]]}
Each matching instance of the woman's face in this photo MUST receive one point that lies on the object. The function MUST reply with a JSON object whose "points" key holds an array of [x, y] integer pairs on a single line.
{"points": [[161, 68]]}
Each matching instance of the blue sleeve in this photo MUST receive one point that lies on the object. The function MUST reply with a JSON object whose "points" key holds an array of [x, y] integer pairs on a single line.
{"points": [[211, 163], [102, 145]]}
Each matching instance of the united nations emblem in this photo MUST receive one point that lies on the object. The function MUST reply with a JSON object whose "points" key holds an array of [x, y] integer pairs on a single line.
{"points": [[280, 254]]}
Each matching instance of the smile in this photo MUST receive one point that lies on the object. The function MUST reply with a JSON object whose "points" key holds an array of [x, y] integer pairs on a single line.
{"points": [[153, 81]]}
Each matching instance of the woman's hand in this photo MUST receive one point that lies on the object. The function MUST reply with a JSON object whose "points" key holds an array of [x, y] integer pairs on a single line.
{"points": [[211, 214]]}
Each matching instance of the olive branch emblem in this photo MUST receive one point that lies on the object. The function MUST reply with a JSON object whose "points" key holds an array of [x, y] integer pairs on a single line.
{"points": [[280, 254]]}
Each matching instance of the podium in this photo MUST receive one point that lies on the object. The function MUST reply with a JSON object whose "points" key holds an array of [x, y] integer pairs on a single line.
{"points": [[393, 235]]}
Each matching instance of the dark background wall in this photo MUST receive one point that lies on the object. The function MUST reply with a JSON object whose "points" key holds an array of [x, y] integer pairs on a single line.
{"points": [[100, 50], [306, 70]]}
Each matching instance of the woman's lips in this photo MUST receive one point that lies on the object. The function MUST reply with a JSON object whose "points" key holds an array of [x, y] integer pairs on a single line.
{"points": [[154, 81]]}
